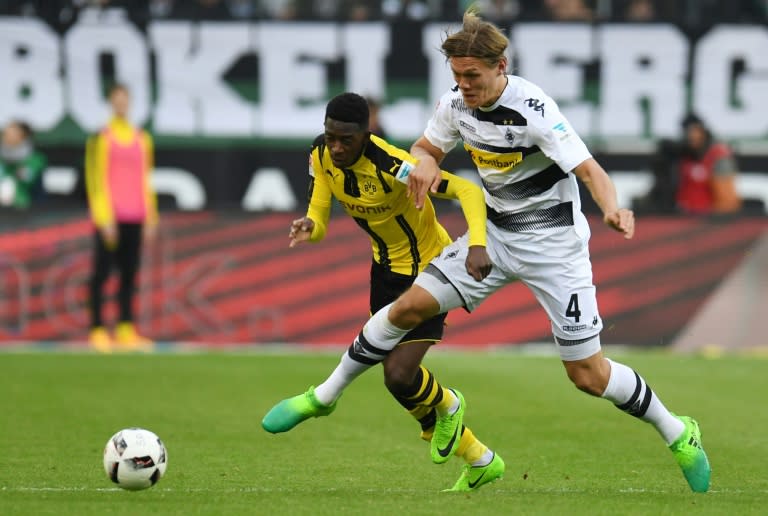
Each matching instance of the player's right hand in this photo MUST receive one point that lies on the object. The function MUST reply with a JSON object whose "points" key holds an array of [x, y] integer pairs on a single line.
{"points": [[622, 220], [424, 178], [301, 230], [478, 262]]}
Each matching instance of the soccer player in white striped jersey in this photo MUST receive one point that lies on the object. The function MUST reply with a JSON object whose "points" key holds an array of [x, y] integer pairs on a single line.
{"points": [[529, 158]]}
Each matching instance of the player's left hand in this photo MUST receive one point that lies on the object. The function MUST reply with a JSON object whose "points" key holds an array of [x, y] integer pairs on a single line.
{"points": [[622, 220], [424, 178], [478, 262]]}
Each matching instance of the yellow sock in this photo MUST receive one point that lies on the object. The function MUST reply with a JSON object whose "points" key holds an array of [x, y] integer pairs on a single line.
{"points": [[471, 449], [425, 397], [430, 393], [421, 414]]}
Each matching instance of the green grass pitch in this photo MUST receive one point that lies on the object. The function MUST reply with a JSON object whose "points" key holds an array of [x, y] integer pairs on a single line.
{"points": [[565, 453]]}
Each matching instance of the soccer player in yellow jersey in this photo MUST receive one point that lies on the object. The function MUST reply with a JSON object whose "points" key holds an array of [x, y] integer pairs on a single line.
{"points": [[123, 206], [368, 177]]}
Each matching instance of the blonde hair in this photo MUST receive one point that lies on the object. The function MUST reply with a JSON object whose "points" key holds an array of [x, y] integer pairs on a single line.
{"points": [[477, 38]]}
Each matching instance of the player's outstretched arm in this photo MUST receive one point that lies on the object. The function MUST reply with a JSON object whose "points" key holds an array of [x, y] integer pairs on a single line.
{"points": [[314, 224], [603, 192], [472, 201], [426, 176]]}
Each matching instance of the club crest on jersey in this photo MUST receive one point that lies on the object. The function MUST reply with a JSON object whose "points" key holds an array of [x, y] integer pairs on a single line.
{"points": [[370, 188], [509, 137]]}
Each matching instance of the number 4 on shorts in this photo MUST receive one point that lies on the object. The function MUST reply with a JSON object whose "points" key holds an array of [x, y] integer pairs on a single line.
{"points": [[573, 308]]}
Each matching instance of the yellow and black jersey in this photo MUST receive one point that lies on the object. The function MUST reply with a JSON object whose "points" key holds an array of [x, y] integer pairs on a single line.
{"points": [[404, 239]]}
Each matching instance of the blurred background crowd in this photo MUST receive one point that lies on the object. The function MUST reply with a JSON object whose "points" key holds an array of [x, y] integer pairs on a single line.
{"points": [[697, 172], [688, 13]]}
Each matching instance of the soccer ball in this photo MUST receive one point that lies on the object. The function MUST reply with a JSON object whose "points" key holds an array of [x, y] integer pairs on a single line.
{"points": [[135, 459]]}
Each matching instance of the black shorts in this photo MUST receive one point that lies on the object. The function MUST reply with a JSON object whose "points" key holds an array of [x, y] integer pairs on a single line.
{"points": [[386, 286]]}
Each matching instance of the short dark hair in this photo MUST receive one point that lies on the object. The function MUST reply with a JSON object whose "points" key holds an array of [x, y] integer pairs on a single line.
{"points": [[692, 119], [117, 86], [348, 107]]}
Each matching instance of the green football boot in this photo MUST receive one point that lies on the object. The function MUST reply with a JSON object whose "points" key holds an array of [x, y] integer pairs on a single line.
{"points": [[292, 411], [691, 457], [447, 434], [472, 477]]}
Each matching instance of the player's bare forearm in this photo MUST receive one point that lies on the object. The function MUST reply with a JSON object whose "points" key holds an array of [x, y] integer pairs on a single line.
{"points": [[725, 198], [426, 176], [599, 185], [603, 192]]}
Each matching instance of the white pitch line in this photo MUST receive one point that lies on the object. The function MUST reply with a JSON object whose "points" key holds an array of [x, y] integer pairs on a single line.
{"points": [[72, 489]]}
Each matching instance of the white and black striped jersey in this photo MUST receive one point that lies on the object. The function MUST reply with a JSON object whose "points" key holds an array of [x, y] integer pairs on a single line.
{"points": [[524, 150]]}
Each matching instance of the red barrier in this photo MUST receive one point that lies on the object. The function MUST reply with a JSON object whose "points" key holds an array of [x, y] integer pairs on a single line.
{"points": [[224, 278]]}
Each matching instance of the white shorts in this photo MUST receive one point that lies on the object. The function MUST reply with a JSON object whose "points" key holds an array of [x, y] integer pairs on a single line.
{"points": [[553, 263]]}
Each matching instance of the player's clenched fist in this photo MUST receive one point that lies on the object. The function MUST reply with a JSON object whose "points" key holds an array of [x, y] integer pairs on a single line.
{"points": [[622, 220]]}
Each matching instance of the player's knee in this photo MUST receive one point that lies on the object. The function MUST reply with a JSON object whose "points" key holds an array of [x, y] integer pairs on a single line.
{"points": [[413, 308], [406, 313]]}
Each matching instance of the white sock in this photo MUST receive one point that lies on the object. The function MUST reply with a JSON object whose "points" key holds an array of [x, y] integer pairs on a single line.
{"points": [[486, 459], [630, 393], [452, 408], [378, 338]]}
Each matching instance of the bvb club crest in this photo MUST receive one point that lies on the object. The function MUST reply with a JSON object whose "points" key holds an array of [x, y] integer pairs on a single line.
{"points": [[369, 187]]}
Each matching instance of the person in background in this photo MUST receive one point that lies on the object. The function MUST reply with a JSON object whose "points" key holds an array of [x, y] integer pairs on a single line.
{"points": [[123, 206], [374, 122], [640, 11], [707, 172], [21, 167], [568, 10], [693, 175]]}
